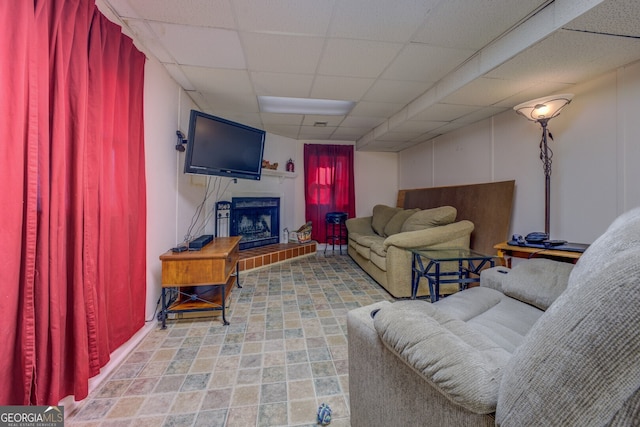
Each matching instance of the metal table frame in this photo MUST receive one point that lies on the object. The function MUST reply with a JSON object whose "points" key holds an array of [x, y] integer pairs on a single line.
{"points": [[469, 265]]}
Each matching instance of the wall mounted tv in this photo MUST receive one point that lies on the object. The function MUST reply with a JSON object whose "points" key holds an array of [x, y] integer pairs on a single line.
{"points": [[216, 146]]}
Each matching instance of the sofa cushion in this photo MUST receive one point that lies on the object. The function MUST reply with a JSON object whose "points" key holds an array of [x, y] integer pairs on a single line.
{"points": [[429, 218], [381, 216], [462, 364], [394, 225], [537, 281], [579, 364]]}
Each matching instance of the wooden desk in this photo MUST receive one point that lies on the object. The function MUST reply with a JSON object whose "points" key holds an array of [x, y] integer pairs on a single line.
{"points": [[506, 250], [201, 280]]}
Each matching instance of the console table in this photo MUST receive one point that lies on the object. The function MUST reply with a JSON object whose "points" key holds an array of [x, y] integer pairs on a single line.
{"points": [[462, 266], [200, 280], [506, 250]]}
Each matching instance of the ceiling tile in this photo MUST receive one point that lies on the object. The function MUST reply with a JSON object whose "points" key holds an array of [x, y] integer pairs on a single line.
{"points": [[200, 46], [276, 53], [444, 112], [425, 63], [395, 91], [496, 17], [343, 88], [588, 54], [231, 102], [362, 122], [414, 67], [486, 91], [284, 16], [282, 84], [375, 109], [206, 13], [357, 58], [216, 80], [332, 121], [379, 19], [620, 17], [312, 132], [282, 119]]}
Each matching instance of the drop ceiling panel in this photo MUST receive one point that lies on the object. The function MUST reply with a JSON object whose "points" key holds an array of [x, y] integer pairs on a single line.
{"points": [[343, 88], [200, 46], [456, 23], [282, 119], [284, 16], [277, 53], [425, 63], [332, 121], [588, 54], [381, 20], [216, 80], [444, 112], [375, 109], [411, 65], [206, 13], [486, 91], [282, 84], [357, 58], [620, 17], [231, 102], [312, 132], [395, 91], [362, 122]]}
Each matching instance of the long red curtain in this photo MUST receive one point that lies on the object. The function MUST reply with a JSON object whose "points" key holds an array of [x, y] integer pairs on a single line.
{"points": [[328, 184], [72, 197]]}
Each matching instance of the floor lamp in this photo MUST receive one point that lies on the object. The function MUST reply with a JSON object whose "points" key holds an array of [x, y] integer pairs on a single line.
{"points": [[542, 110]]}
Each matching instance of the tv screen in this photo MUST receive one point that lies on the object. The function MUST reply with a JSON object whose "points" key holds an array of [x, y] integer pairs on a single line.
{"points": [[216, 146]]}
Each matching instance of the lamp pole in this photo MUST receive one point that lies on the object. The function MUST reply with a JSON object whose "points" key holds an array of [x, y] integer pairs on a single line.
{"points": [[545, 156]]}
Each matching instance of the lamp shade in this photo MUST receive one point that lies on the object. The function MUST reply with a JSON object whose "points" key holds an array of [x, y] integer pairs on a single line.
{"points": [[544, 108]]}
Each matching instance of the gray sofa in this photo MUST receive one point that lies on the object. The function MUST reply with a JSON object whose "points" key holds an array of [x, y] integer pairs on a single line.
{"points": [[544, 343], [381, 243]]}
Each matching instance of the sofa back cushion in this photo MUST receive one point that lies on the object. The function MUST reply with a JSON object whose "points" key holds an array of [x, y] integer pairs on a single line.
{"points": [[394, 226], [429, 218], [579, 364], [381, 216]]}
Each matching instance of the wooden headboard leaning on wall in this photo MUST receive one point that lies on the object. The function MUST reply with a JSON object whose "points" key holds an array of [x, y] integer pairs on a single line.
{"points": [[487, 205]]}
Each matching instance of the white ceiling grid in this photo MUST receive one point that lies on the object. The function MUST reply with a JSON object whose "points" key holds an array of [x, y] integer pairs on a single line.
{"points": [[415, 68]]}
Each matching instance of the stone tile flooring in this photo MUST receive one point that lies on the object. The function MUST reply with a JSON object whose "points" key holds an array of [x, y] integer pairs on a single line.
{"points": [[284, 353]]}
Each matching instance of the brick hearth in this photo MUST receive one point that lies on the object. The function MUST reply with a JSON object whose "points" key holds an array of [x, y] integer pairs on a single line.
{"points": [[271, 254]]}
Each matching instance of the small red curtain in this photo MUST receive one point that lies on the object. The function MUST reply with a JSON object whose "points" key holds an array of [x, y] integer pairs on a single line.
{"points": [[328, 184], [72, 191]]}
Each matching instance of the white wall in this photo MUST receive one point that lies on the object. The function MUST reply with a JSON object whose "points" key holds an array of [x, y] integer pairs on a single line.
{"points": [[376, 180], [161, 115], [594, 173]]}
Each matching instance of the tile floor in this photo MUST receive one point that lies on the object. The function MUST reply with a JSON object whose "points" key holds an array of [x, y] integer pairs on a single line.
{"points": [[284, 353]]}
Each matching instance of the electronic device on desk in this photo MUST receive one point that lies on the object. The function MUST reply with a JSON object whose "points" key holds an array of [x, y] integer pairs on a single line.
{"points": [[541, 240], [200, 242]]}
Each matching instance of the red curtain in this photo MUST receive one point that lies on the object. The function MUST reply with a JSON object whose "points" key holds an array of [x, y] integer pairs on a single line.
{"points": [[72, 191], [328, 184]]}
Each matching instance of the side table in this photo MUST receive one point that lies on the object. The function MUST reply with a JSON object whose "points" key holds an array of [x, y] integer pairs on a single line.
{"points": [[462, 266], [203, 279], [506, 250]]}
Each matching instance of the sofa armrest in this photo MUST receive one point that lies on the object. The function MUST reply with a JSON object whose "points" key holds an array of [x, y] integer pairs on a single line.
{"points": [[431, 236], [360, 225], [459, 362], [385, 391], [494, 277]]}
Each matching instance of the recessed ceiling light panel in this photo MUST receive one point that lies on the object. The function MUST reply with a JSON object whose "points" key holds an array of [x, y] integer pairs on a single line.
{"points": [[284, 105]]}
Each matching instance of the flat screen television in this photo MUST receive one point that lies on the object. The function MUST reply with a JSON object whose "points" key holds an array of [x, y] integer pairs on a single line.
{"points": [[216, 146]]}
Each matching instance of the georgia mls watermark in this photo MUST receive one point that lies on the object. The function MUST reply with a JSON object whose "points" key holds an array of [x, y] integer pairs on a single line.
{"points": [[31, 416]]}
